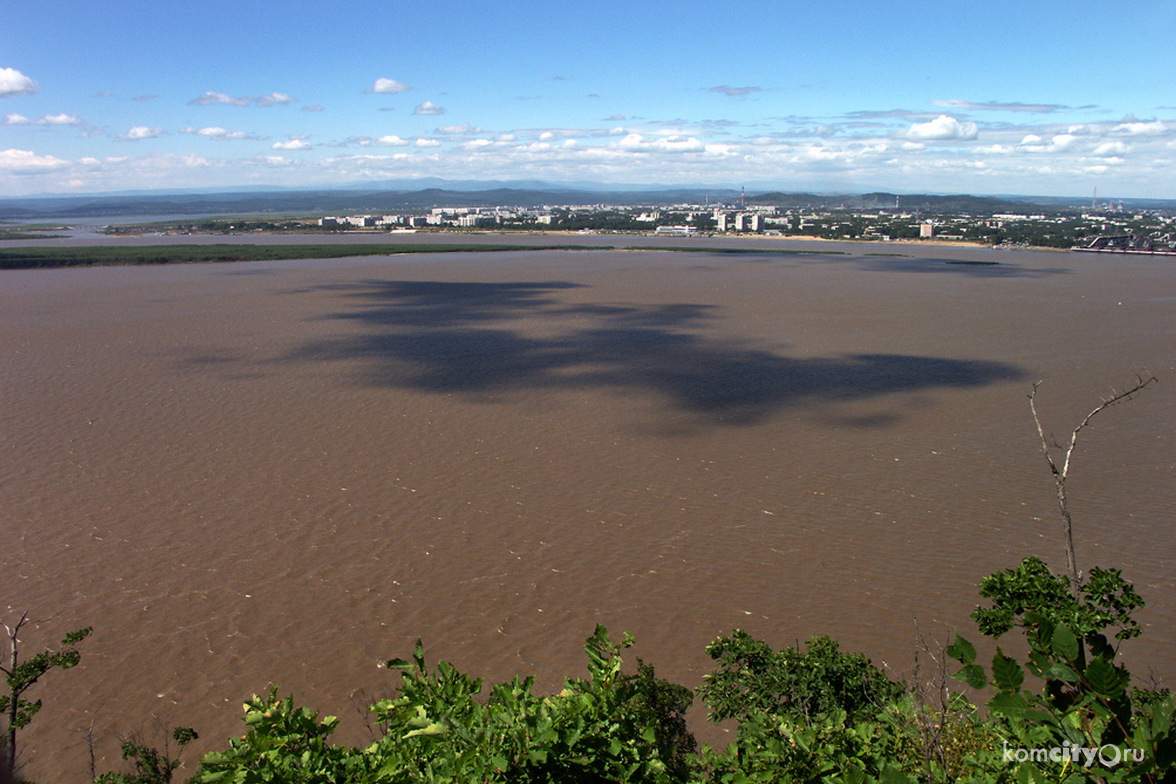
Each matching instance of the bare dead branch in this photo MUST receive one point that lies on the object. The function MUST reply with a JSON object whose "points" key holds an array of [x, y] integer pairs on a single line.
{"points": [[1060, 474]]}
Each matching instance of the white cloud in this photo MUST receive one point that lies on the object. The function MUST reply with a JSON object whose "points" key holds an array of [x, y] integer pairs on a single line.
{"points": [[457, 130], [392, 140], [314, 107], [211, 99], [1063, 141], [60, 119], [292, 144], [942, 128], [219, 134], [674, 144], [13, 82], [48, 119], [389, 86], [428, 107], [423, 142], [1110, 149], [275, 99], [141, 132], [27, 161], [1154, 128], [1032, 143]]}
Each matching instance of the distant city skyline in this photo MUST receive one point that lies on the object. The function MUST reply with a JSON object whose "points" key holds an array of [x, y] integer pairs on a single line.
{"points": [[1012, 98]]}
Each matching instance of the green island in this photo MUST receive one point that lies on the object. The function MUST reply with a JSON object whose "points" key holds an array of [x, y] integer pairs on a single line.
{"points": [[91, 256]]}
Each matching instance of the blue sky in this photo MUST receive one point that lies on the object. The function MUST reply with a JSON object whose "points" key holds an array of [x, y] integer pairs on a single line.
{"points": [[1043, 97]]}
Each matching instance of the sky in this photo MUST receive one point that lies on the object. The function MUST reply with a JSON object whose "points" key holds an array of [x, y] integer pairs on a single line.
{"points": [[1030, 98]]}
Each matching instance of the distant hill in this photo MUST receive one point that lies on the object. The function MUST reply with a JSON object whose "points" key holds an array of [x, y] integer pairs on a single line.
{"points": [[381, 200], [329, 201]]}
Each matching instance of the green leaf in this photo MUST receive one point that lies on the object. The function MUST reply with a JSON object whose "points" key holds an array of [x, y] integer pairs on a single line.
{"points": [[1061, 672], [1013, 705], [1064, 642], [1105, 678], [436, 728], [973, 675], [1006, 672], [961, 650], [892, 775]]}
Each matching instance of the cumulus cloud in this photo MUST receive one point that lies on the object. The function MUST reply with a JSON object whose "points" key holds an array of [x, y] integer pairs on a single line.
{"points": [[293, 144], [388, 86], [423, 142], [211, 99], [219, 134], [942, 128], [673, 144], [732, 91], [48, 119], [1110, 149], [392, 140], [1057, 143], [457, 130], [60, 119], [141, 132], [13, 82], [428, 107], [1135, 128], [275, 99], [28, 162]]}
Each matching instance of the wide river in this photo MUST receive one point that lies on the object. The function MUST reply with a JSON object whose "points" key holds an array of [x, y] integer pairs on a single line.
{"points": [[286, 472]]}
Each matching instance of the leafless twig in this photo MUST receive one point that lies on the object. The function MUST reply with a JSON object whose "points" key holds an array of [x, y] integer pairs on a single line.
{"points": [[1048, 445]]}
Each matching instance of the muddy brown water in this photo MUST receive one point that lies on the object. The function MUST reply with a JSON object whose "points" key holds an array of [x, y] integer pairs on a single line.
{"points": [[286, 472]]}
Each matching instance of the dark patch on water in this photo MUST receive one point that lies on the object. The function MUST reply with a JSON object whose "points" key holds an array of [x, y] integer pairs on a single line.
{"points": [[970, 267], [448, 337]]}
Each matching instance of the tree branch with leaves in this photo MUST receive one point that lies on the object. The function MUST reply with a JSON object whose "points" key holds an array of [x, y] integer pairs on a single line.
{"points": [[20, 676]]}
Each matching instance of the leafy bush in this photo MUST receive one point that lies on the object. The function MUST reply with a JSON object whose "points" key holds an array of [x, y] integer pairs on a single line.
{"points": [[609, 727], [751, 678]]}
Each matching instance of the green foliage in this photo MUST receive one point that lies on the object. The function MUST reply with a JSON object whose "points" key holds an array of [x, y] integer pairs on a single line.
{"points": [[609, 727], [284, 744], [1083, 701], [1104, 599], [20, 676], [29, 258], [150, 765], [751, 678]]}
